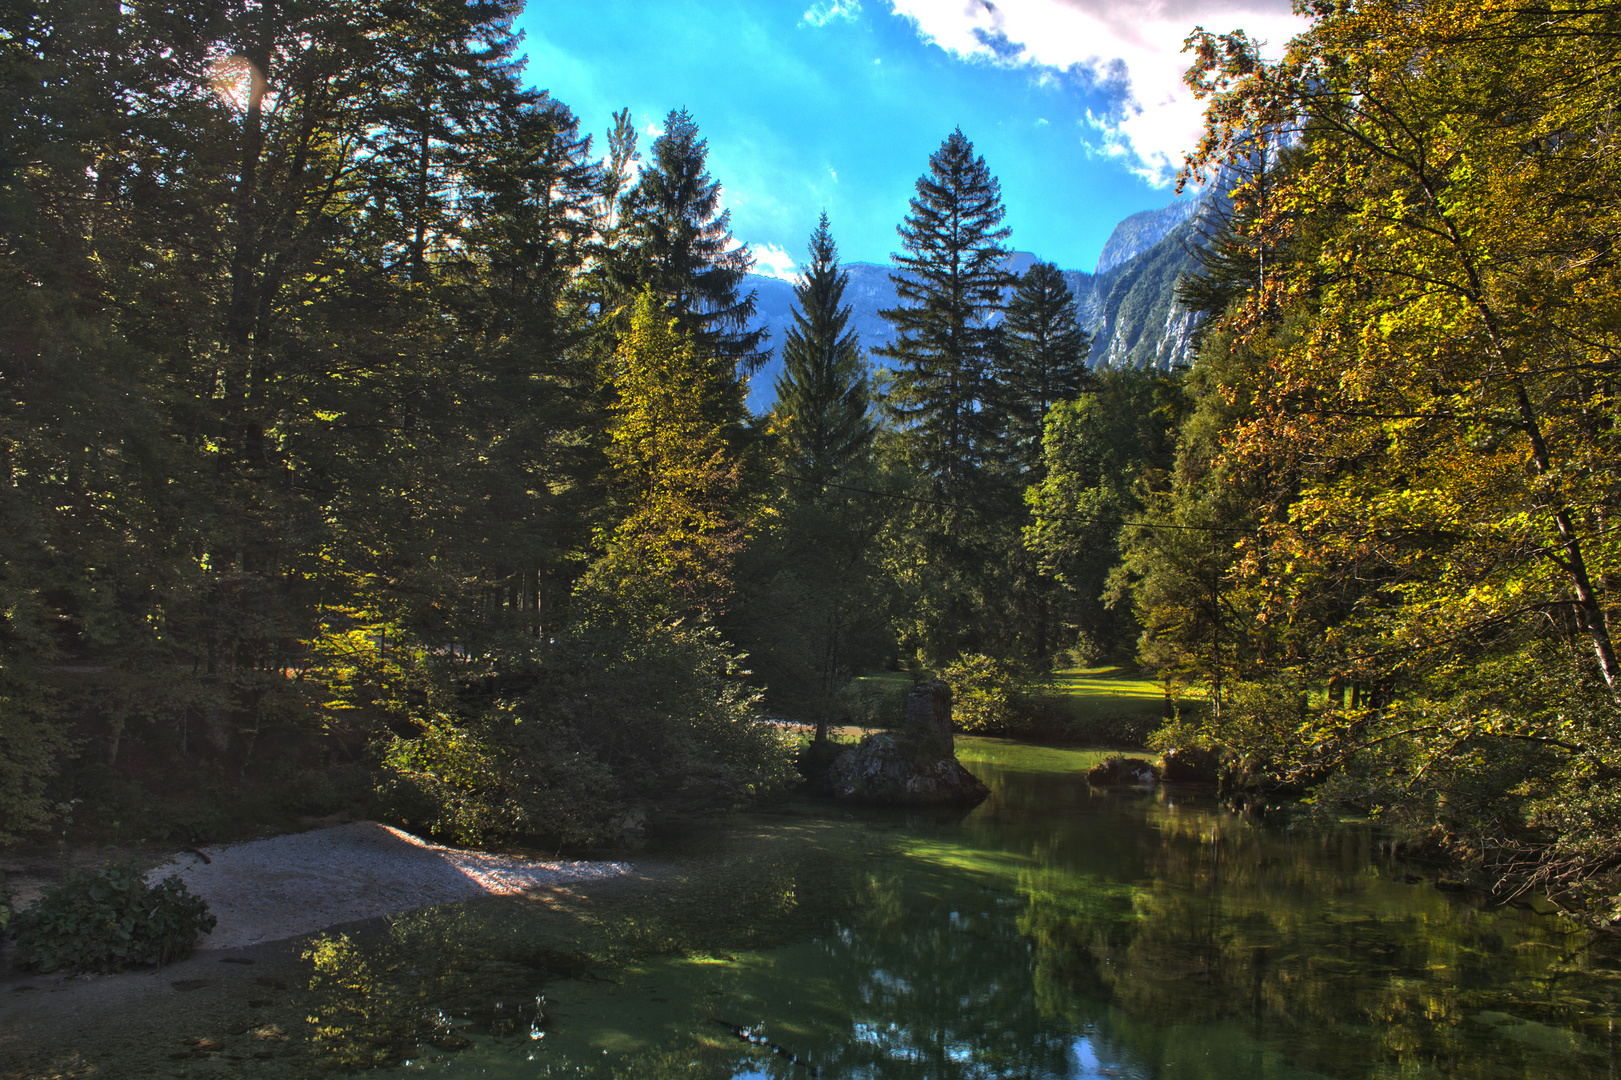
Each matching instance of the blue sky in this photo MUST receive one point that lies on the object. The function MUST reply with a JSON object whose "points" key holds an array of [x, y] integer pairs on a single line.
{"points": [[838, 104]]}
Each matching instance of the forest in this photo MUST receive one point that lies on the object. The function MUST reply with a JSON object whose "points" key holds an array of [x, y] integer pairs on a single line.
{"points": [[369, 430]]}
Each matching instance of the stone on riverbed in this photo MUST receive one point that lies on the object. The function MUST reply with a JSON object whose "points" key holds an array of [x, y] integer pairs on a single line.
{"points": [[914, 767]]}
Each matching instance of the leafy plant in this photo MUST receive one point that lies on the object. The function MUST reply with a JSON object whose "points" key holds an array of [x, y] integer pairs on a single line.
{"points": [[108, 919], [984, 693]]}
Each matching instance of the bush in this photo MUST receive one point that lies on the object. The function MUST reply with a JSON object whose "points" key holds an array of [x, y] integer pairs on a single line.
{"points": [[984, 694], [1124, 729], [108, 919], [1119, 769], [499, 775], [32, 748], [871, 704], [623, 716]]}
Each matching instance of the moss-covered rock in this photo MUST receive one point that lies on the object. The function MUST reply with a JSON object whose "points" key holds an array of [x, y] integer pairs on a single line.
{"points": [[900, 771], [1119, 769]]}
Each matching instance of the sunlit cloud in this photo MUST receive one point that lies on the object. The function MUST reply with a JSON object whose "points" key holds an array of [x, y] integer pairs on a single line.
{"points": [[773, 261], [1130, 54], [825, 12]]}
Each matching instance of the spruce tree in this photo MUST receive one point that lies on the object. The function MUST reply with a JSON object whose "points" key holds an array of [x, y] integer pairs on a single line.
{"points": [[681, 245], [950, 284], [1044, 359], [822, 394]]}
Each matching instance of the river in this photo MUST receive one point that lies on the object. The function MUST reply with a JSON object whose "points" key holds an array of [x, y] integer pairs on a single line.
{"points": [[1055, 931]]}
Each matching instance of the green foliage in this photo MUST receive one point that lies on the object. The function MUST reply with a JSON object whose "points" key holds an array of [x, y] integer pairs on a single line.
{"points": [[32, 746], [626, 714], [1044, 360], [673, 466], [495, 776], [1399, 410], [814, 602], [1120, 769], [1054, 721], [678, 243], [108, 919], [822, 407], [1100, 451], [873, 702], [1185, 732], [950, 283], [985, 696]]}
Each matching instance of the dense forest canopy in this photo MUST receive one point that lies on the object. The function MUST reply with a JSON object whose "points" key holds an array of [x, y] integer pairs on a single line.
{"points": [[363, 415]]}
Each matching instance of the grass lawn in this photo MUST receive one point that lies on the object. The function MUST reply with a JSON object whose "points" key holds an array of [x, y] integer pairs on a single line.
{"points": [[1094, 706], [1094, 693], [982, 750]]}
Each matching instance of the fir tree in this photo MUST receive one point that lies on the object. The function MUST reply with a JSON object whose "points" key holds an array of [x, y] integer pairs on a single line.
{"points": [[950, 283], [681, 245], [822, 393], [1044, 359]]}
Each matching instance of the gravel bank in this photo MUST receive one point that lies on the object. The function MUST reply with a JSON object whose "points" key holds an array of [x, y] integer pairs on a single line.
{"points": [[266, 890]]}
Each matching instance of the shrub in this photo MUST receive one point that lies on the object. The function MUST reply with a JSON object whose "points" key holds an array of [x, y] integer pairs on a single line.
{"points": [[984, 694], [499, 775], [109, 918], [1122, 728], [1119, 769], [623, 716], [32, 748], [871, 703]]}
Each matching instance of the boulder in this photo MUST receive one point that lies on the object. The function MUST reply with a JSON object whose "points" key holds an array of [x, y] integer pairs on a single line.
{"points": [[1119, 769], [928, 713], [902, 771]]}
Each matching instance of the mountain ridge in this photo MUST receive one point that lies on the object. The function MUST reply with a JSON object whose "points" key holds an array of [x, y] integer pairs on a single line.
{"points": [[1127, 305]]}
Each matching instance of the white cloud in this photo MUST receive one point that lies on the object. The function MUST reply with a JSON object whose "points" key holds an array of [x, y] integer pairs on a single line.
{"points": [[772, 261], [825, 12], [1131, 49]]}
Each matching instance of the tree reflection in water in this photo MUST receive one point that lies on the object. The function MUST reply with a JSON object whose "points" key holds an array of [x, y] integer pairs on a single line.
{"points": [[1054, 932]]}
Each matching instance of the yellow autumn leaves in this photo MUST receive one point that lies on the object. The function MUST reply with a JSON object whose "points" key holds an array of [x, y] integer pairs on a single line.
{"points": [[673, 467]]}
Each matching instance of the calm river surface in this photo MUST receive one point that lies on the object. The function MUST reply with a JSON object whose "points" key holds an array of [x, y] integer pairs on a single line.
{"points": [[1055, 931]]}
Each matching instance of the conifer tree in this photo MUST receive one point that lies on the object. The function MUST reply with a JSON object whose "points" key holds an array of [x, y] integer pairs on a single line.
{"points": [[950, 283], [822, 393], [680, 244], [1044, 359]]}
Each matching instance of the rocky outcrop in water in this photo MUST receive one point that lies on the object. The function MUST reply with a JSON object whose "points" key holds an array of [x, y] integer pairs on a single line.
{"points": [[1119, 769], [915, 766]]}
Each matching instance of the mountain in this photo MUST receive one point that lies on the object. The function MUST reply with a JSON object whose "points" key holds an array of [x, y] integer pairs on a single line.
{"points": [[1141, 231], [1128, 304], [1130, 309], [869, 292]]}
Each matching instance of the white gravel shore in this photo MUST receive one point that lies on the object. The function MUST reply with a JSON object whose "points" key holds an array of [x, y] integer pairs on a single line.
{"points": [[266, 890]]}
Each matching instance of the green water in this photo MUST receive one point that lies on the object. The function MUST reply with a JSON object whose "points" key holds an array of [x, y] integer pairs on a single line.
{"points": [[1055, 931]]}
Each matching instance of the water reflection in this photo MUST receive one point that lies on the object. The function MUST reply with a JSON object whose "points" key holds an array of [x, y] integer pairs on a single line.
{"points": [[1054, 932]]}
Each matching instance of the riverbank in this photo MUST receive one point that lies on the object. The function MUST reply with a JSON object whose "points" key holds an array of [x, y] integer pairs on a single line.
{"points": [[238, 995], [1058, 927]]}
